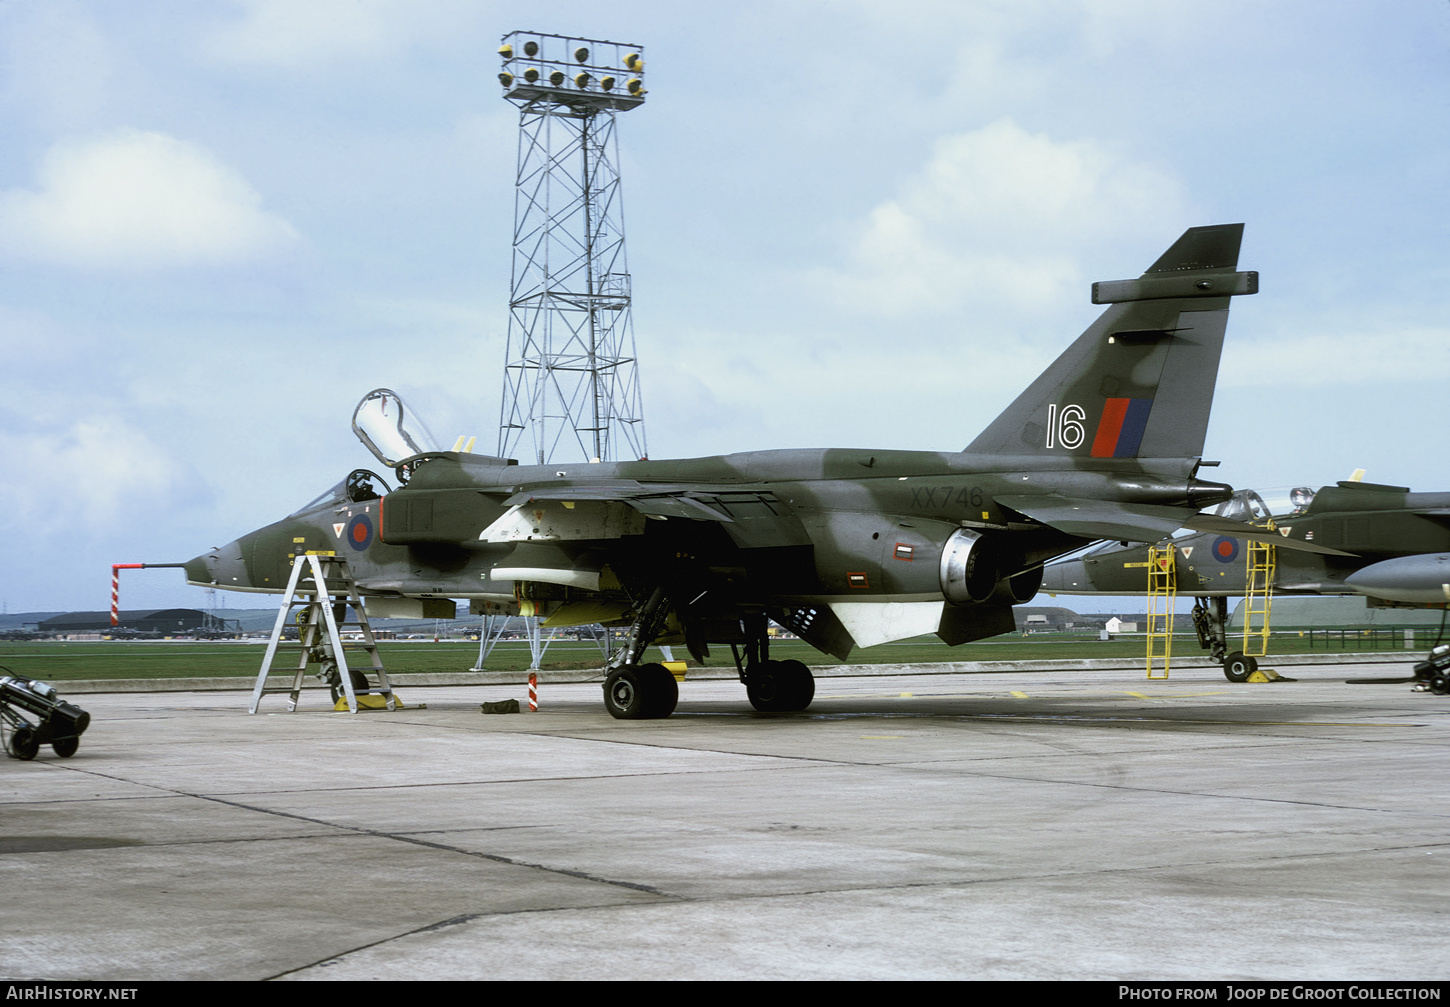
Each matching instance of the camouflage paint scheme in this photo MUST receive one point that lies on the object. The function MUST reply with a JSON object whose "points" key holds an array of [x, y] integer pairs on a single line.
{"points": [[1398, 540], [845, 547]]}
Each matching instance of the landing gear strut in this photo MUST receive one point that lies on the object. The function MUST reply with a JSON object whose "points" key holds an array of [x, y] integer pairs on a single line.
{"points": [[634, 691], [1210, 621]]}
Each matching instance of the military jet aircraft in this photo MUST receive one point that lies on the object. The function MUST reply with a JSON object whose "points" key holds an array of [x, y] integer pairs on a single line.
{"points": [[1389, 545], [845, 548]]}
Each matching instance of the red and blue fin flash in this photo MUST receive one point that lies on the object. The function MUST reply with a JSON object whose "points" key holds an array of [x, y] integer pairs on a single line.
{"points": [[1120, 430]]}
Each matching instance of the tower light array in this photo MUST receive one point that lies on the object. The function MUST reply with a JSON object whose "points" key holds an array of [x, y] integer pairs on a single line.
{"points": [[571, 383]]}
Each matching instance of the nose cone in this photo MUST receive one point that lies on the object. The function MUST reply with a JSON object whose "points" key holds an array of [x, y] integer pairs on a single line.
{"points": [[1068, 577], [1418, 580], [222, 567], [198, 572]]}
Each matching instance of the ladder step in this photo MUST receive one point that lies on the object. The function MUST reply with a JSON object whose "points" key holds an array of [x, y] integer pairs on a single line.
{"points": [[332, 585]]}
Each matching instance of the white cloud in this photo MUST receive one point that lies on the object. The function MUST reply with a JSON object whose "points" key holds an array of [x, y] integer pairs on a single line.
{"points": [[292, 34], [137, 200], [96, 476], [1002, 214]]}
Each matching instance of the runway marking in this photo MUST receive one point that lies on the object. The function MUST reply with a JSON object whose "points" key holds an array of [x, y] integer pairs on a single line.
{"points": [[1019, 695], [1176, 695], [904, 695]]}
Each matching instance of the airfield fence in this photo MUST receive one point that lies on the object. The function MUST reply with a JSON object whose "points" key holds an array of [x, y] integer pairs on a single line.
{"points": [[1365, 638]]}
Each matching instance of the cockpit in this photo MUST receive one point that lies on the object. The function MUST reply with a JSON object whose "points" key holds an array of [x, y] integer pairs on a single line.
{"points": [[1248, 506], [1259, 505], [393, 432], [360, 486]]}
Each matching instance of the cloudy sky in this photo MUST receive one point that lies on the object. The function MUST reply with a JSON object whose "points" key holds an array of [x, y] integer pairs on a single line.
{"points": [[850, 224]]}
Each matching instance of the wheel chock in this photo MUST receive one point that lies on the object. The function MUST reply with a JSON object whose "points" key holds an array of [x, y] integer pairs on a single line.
{"points": [[1267, 675], [368, 701], [676, 668]]}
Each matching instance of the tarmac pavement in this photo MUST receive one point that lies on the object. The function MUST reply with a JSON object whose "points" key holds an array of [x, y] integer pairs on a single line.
{"points": [[1084, 824]]}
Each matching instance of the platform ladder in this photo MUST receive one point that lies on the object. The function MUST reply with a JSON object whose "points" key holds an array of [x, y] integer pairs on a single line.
{"points": [[318, 638], [1162, 600], [1258, 596]]}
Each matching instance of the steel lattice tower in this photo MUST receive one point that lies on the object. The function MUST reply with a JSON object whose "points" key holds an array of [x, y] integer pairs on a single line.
{"points": [[570, 377]]}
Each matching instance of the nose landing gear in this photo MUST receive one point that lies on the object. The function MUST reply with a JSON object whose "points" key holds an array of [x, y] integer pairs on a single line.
{"points": [[1210, 622]]}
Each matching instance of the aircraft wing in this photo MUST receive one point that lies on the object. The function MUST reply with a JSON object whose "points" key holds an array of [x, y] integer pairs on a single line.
{"points": [[753, 518], [1099, 518], [1109, 519], [1226, 526]]}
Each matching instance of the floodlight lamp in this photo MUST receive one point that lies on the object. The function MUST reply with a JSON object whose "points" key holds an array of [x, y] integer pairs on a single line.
{"points": [[506, 79], [557, 78], [635, 87], [532, 75], [634, 62], [581, 80], [531, 48], [581, 55], [506, 51], [607, 83]]}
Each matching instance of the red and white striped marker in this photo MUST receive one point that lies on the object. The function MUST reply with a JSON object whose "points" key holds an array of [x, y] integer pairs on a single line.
{"points": [[116, 569], [533, 693]]}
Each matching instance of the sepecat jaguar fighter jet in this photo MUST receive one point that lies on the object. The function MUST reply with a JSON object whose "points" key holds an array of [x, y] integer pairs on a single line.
{"points": [[1389, 545], [846, 548]]}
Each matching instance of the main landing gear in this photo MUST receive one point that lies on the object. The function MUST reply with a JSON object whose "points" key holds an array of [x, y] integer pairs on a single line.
{"points": [[1210, 621], [780, 686], [634, 691], [771, 686], [641, 692]]}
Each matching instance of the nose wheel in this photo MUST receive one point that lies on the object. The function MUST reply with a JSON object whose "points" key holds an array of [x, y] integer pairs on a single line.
{"points": [[1238, 666]]}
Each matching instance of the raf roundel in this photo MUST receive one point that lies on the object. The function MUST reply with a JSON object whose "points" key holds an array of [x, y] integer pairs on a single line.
{"points": [[359, 532], [1225, 549]]}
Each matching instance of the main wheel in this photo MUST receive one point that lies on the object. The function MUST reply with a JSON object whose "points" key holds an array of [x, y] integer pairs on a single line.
{"points": [[799, 685], [23, 743], [66, 747], [1440, 685], [780, 687], [624, 695], [648, 691], [663, 692], [1238, 666]]}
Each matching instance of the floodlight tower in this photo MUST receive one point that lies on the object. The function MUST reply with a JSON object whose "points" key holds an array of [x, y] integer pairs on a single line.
{"points": [[571, 386]]}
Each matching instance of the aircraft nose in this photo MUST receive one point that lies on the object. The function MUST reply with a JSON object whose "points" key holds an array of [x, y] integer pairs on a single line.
{"points": [[221, 567], [198, 572]]}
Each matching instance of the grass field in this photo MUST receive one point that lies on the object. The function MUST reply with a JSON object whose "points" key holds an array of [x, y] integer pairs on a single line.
{"points": [[59, 661]]}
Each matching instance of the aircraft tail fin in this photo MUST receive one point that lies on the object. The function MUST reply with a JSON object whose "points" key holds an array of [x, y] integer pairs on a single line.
{"points": [[1139, 382]]}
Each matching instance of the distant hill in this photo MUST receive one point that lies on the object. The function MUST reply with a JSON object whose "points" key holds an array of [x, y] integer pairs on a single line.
{"points": [[28, 620]]}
